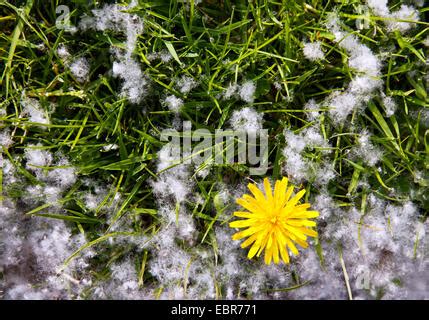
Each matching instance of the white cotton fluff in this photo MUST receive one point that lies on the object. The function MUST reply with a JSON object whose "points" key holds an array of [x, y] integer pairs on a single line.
{"points": [[296, 166], [34, 249], [60, 177], [169, 156], [80, 69], [163, 55], [300, 168], [202, 171], [365, 150], [107, 203], [363, 85], [25, 291], [377, 248], [369, 153], [5, 139], [326, 281], [112, 17], [246, 119], [32, 193], [389, 105], [313, 138], [34, 110], [124, 280], [294, 142], [175, 180], [171, 185], [363, 60], [185, 84], [8, 168], [277, 85], [405, 12], [342, 104], [64, 176], [230, 91], [403, 223], [310, 109], [331, 285], [186, 229], [63, 52], [36, 157], [169, 265], [52, 194], [313, 51], [426, 42], [360, 89], [242, 277], [91, 201], [51, 249], [152, 56], [325, 205], [175, 267], [134, 81], [323, 174], [173, 103], [361, 57], [179, 220], [247, 91], [379, 6]]}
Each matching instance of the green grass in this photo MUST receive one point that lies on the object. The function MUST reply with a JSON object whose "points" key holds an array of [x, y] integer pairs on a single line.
{"points": [[216, 42]]}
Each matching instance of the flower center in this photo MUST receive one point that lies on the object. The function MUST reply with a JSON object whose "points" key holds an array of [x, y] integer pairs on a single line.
{"points": [[274, 219]]}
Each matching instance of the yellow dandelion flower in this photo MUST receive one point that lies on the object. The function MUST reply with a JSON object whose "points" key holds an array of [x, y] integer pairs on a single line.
{"points": [[274, 222]]}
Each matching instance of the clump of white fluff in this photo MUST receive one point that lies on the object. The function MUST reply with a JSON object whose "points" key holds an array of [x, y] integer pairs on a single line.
{"points": [[313, 51], [378, 248], [80, 69], [301, 168], [363, 85], [246, 119], [361, 57], [311, 110], [37, 157], [163, 55], [5, 139], [245, 91], [35, 112], [112, 17], [134, 81], [174, 178], [185, 84], [173, 103], [405, 12], [389, 105], [34, 248], [365, 150]]}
